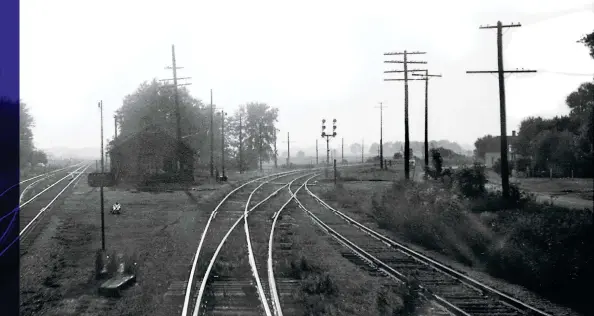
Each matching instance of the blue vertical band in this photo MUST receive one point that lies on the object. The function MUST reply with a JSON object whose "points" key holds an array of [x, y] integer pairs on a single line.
{"points": [[9, 157]]}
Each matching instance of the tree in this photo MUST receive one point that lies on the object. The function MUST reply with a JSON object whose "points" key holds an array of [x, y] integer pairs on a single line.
{"points": [[398, 155], [373, 149], [355, 148], [258, 120], [153, 104], [26, 123], [588, 41], [484, 145], [38, 157], [300, 154]]}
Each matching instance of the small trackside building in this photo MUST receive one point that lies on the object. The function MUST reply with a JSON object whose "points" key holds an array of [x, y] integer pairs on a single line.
{"points": [[149, 156]]}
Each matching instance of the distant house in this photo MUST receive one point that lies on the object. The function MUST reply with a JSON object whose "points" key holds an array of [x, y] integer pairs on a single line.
{"points": [[149, 155], [493, 152]]}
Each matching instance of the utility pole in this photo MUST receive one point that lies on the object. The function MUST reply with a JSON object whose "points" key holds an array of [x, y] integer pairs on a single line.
{"points": [[426, 77], [502, 116], [223, 113], [275, 151], [115, 125], [211, 136], [101, 188], [381, 146], [406, 79], [362, 150], [316, 152], [289, 150], [176, 100], [342, 153], [260, 144], [240, 145]]}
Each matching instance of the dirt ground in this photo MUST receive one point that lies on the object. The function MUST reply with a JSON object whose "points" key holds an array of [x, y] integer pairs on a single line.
{"points": [[161, 230]]}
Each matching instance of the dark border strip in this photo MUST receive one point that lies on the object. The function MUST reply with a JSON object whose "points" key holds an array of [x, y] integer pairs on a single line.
{"points": [[9, 143]]}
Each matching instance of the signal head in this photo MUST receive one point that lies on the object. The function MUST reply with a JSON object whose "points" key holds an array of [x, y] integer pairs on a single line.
{"points": [[334, 120], [323, 127], [334, 127], [334, 134], [323, 134], [323, 121]]}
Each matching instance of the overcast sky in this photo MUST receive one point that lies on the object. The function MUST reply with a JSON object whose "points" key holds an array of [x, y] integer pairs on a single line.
{"points": [[311, 59]]}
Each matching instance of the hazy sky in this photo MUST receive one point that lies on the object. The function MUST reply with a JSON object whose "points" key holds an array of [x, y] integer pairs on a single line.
{"points": [[311, 59]]}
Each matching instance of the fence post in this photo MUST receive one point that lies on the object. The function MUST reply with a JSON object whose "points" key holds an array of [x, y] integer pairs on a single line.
{"points": [[334, 171]]}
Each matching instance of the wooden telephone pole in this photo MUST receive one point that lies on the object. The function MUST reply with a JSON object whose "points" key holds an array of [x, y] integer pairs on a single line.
{"points": [[288, 150], [176, 100], [316, 152], [502, 116], [381, 146], [426, 76], [275, 151], [240, 145], [406, 79]]}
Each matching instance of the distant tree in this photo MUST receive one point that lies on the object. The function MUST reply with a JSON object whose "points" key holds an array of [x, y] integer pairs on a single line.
{"points": [[373, 149], [26, 123], [38, 157], [483, 145], [300, 154], [258, 121], [398, 155], [437, 161], [355, 148]]}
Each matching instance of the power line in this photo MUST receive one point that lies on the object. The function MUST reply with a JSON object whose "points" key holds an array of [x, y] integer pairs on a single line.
{"points": [[405, 62], [426, 77], [500, 71], [176, 98]]}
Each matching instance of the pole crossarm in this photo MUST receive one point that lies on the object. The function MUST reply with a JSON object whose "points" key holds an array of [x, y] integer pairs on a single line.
{"points": [[495, 71], [502, 107], [426, 75], [402, 62], [409, 70], [503, 25], [404, 53], [391, 79]]}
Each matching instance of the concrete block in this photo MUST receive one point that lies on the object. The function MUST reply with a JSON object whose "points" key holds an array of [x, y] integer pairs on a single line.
{"points": [[114, 286]]}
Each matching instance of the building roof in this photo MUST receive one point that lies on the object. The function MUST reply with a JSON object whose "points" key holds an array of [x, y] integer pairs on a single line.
{"points": [[494, 146], [120, 141]]}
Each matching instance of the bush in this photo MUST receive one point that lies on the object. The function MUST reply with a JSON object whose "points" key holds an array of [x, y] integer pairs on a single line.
{"points": [[497, 167], [470, 181]]}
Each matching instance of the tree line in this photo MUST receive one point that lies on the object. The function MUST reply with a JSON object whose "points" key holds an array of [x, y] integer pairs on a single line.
{"points": [[29, 156], [153, 104], [563, 144]]}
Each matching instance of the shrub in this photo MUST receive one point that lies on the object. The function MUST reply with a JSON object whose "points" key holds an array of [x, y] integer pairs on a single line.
{"points": [[470, 181], [497, 167]]}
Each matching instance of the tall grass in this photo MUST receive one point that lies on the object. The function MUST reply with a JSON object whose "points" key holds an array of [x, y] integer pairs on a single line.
{"points": [[547, 249]]}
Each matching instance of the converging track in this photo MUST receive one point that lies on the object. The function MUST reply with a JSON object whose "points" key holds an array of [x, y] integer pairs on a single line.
{"points": [[230, 288], [445, 287], [31, 211]]}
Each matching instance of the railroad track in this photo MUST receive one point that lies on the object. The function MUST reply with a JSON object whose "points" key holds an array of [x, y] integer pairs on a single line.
{"points": [[450, 289], [250, 281], [30, 212], [225, 286], [38, 178]]}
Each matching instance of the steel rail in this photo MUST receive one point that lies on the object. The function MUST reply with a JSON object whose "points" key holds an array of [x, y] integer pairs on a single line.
{"points": [[430, 262]]}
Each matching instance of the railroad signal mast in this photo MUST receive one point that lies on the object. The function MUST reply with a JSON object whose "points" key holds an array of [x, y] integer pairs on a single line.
{"points": [[327, 136]]}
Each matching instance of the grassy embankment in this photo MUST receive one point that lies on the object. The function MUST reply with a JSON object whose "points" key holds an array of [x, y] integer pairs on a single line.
{"points": [[547, 249]]}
